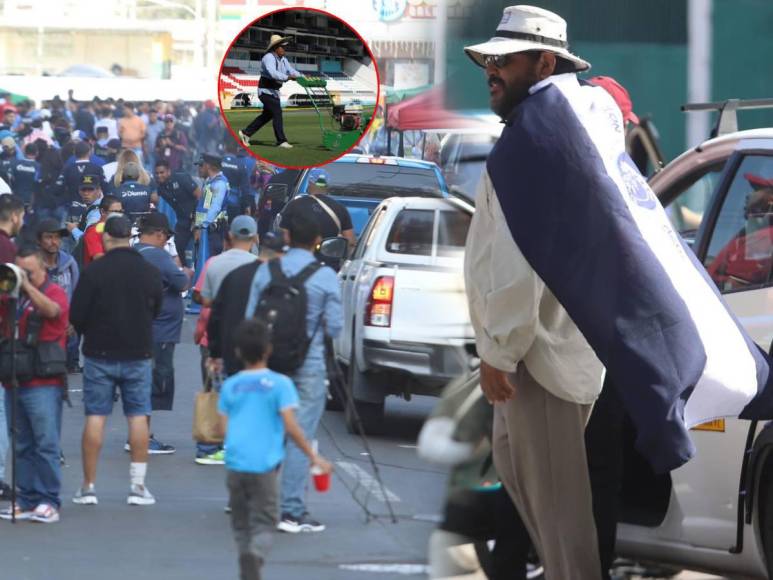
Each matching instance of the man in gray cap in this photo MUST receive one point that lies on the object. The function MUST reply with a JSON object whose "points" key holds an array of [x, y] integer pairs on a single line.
{"points": [[536, 366], [275, 70], [242, 238]]}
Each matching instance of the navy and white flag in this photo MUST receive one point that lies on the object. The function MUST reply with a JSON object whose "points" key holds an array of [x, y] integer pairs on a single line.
{"points": [[592, 229]]}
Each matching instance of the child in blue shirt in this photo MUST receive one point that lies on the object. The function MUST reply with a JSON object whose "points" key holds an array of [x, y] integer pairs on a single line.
{"points": [[257, 407]]}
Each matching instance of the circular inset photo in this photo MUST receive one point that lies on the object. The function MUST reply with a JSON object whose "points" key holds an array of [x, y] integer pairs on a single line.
{"points": [[298, 87]]}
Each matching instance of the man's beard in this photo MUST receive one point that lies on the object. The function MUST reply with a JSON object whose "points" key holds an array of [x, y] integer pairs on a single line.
{"points": [[512, 95]]}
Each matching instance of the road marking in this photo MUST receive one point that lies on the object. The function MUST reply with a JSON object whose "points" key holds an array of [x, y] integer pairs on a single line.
{"points": [[366, 481], [408, 446], [402, 569], [432, 518]]}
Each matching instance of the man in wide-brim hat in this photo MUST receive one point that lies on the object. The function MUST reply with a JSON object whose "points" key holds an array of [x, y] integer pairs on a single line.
{"points": [[275, 70], [537, 368]]}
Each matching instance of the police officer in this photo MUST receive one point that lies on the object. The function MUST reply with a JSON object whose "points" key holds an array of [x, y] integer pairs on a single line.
{"points": [[25, 174], [135, 197], [181, 192], [90, 191], [71, 177], [210, 210], [236, 172]]}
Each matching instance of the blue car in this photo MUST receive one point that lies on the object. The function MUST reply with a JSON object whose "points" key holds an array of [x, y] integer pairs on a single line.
{"points": [[361, 182]]}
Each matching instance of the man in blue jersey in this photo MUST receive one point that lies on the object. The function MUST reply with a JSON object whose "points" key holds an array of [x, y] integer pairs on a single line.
{"points": [[180, 191], [135, 197], [24, 174]]}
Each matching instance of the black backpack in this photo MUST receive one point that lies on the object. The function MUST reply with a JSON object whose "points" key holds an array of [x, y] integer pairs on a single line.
{"points": [[283, 306]]}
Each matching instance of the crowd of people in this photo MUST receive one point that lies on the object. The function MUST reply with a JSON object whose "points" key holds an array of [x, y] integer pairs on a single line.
{"points": [[112, 234]]}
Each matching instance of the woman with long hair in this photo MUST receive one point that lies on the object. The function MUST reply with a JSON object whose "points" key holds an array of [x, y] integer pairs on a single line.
{"points": [[124, 157]]}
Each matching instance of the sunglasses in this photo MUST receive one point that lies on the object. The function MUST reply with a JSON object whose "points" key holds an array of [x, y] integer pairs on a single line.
{"points": [[498, 60]]}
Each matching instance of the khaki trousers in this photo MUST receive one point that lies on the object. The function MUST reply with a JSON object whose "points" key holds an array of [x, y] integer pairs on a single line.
{"points": [[539, 453]]}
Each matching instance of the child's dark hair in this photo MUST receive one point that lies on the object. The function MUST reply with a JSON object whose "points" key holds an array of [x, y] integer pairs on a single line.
{"points": [[252, 340]]}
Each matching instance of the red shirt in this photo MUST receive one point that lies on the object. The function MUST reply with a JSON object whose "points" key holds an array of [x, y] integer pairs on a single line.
{"points": [[92, 242], [52, 329]]}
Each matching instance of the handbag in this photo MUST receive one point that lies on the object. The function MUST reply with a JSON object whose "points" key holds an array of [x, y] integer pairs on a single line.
{"points": [[206, 418], [50, 359]]}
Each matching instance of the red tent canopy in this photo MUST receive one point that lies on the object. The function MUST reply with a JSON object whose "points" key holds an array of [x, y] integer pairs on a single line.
{"points": [[425, 111]]}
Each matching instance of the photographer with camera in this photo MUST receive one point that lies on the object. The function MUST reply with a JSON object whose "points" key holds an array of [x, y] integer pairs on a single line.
{"points": [[41, 370]]}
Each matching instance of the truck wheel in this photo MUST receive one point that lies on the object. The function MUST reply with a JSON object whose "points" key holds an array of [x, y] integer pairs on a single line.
{"points": [[765, 503], [371, 414]]}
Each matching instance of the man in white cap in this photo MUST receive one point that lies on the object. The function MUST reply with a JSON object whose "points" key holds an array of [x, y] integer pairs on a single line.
{"points": [[275, 70], [536, 366]]}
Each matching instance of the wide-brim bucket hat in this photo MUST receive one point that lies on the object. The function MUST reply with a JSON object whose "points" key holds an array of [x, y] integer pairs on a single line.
{"points": [[277, 40], [526, 28]]}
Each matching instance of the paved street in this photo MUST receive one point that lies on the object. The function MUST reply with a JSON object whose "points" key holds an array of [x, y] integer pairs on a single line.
{"points": [[187, 535]]}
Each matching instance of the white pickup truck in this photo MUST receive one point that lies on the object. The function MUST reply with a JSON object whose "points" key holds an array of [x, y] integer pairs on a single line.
{"points": [[406, 324]]}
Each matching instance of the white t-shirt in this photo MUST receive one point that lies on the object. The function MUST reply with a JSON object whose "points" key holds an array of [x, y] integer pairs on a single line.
{"points": [[112, 127]]}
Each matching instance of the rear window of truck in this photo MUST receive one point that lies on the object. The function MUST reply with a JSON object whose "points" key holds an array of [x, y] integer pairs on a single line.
{"points": [[424, 232]]}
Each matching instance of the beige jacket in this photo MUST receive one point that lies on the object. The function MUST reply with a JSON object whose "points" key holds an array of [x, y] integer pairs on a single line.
{"points": [[516, 318]]}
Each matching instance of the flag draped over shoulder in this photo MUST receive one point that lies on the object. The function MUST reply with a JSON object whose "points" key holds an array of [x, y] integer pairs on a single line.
{"points": [[592, 229]]}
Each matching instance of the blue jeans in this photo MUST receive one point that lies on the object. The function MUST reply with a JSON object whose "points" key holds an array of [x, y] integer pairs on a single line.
{"points": [[38, 427], [102, 377], [3, 437], [310, 382]]}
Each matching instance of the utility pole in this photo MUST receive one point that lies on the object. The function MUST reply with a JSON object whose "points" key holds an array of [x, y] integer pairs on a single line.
{"points": [[441, 24], [699, 67]]}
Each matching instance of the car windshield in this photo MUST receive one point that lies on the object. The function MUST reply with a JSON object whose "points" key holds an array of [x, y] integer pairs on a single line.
{"points": [[379, 181]]}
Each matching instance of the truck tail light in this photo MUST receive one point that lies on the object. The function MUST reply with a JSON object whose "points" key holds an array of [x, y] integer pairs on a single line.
{"points": [[378, 312]]}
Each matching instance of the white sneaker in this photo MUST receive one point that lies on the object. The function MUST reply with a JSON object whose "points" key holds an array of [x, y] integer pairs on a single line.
{"points": [[86, 496], [45, 514], [244, 138], [285, 145], [139, 495]]}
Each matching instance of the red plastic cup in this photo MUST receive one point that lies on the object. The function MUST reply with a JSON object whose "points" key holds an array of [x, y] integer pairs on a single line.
{"points": [[321, 479]]}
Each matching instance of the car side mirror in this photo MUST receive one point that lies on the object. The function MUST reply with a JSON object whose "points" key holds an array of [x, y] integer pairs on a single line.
{"points": [[334, 248]]}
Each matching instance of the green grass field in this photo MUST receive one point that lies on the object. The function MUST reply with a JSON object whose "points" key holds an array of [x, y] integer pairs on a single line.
{"points": [[302, 130]]}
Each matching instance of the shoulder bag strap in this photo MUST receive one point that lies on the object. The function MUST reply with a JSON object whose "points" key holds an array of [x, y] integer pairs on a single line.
{"points": [[329, 211], [307, 272], [275, 270]]}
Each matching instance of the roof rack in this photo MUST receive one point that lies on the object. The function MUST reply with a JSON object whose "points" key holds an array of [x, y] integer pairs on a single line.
{"points": [[727, 122]]}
